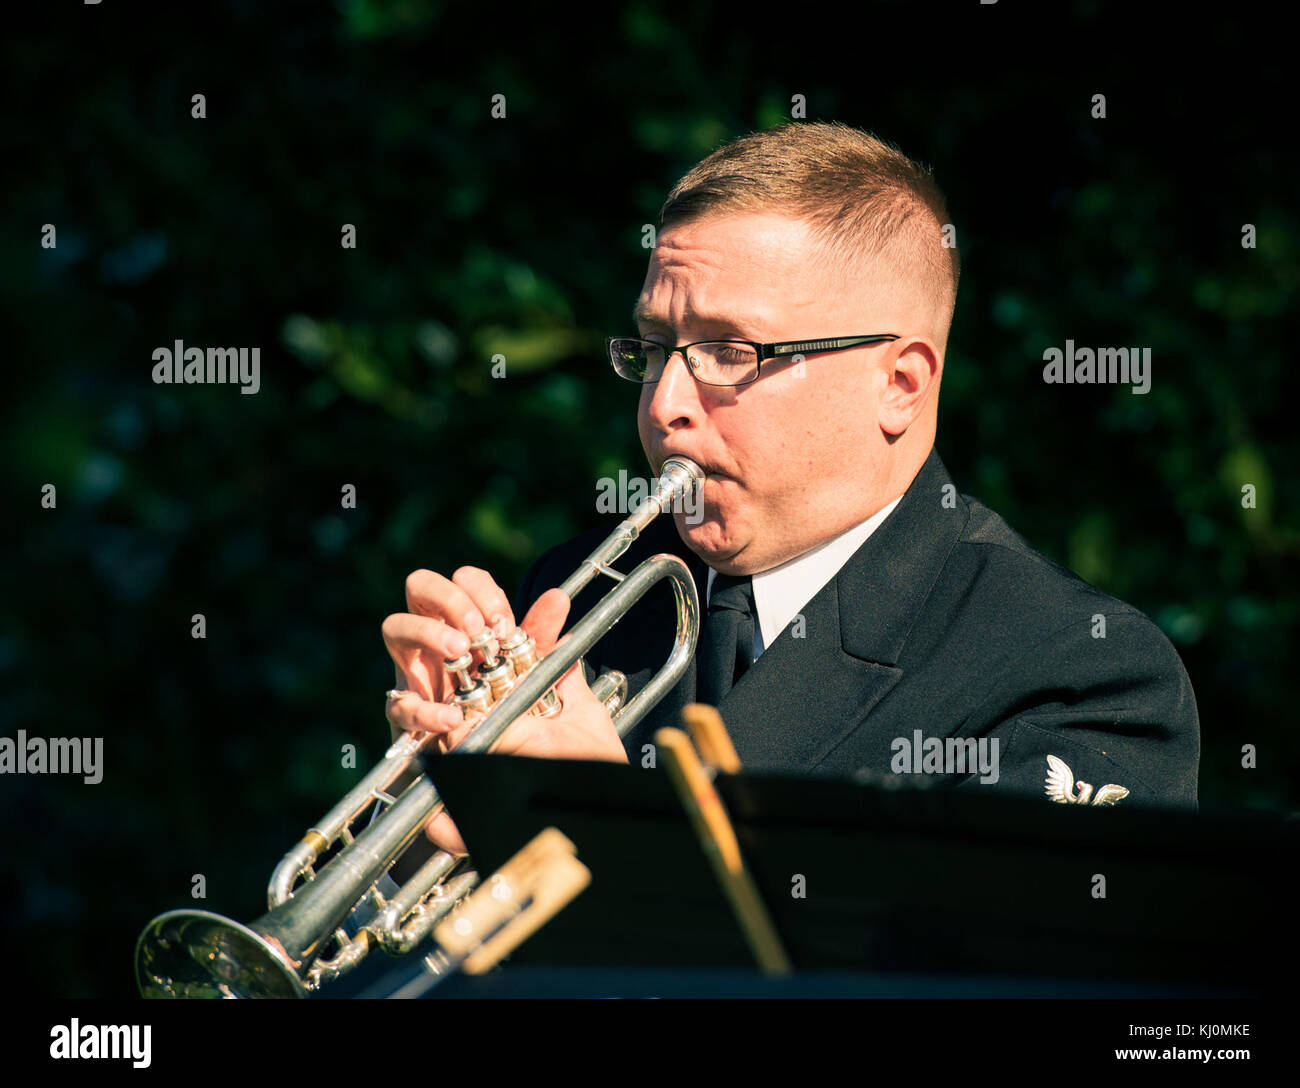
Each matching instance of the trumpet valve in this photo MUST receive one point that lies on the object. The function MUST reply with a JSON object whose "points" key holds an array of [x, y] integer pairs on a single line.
{"points": [[520, 650], [610, 687], [476, 699], [460, 668], [496, 671], [548, 705], [471, 694], [487, 644], [500, 678]]}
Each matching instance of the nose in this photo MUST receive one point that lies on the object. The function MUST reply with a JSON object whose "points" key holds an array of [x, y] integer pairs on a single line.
{"points": [[675, 402]]}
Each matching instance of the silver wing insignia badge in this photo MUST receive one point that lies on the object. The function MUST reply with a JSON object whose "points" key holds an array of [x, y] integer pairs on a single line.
{"points": [[1061, 787]]}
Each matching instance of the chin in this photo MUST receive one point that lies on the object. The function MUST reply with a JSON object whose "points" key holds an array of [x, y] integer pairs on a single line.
{"points": [[707, 539]]}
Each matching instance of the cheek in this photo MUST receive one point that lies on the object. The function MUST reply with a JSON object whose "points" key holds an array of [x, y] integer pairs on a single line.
{"points": [[811, 432], [643, 428], [788, 425], [835, 411], [758, 437]]}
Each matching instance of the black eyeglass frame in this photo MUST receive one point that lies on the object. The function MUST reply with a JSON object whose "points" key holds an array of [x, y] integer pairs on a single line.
{"points": [[778, 349]]}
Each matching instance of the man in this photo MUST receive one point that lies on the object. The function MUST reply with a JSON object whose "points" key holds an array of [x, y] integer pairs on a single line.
{"points": [[863, 617]]}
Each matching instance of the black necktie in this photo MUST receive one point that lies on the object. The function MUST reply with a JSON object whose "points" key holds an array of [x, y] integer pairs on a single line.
{"points": [[727, 642]]}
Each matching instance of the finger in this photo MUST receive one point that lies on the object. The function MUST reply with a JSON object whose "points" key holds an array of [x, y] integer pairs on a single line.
{"points": [[573, 686], [406, 710], [405, 630], [522, 736], [546, 618], [430, 594], [443, 833], [416, 673], [418, 645], [488, 597], [457, 735], [529, 734], [574, 691]]}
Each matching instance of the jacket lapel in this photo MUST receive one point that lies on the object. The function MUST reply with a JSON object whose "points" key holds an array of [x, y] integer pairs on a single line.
{"points": [[803, 695]]}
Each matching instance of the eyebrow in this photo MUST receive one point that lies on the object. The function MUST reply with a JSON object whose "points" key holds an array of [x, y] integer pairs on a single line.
{"points": [[642, 315]]}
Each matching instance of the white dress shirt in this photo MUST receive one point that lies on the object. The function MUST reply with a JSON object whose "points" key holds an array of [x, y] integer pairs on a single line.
{"points": [[781, 592]]}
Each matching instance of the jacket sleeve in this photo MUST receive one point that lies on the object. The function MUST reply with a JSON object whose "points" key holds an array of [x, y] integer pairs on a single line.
{"points": [[1086, 717], [528, 591]]}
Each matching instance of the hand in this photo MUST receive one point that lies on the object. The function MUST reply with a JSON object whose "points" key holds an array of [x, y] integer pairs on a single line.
{"points": [[442, 615]]}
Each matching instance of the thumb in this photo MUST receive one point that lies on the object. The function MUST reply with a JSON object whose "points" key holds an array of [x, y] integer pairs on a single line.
{"points": [[573, 685], [443, 833], [546, 618]]}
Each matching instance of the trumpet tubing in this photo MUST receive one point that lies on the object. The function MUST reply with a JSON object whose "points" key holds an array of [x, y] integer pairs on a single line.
{"points": [[194, 953]]}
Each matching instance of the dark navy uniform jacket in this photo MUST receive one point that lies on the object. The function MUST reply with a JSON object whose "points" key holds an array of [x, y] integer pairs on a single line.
{"points": [[944, 624]]}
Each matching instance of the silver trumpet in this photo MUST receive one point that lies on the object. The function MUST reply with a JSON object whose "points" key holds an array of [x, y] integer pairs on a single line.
{"points": [[197, 953]]}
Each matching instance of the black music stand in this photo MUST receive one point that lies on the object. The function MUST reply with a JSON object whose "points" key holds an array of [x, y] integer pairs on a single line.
{"points": [[918, 891]]}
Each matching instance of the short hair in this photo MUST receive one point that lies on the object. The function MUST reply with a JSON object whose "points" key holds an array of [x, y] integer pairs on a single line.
{"points": [[863, 198]]}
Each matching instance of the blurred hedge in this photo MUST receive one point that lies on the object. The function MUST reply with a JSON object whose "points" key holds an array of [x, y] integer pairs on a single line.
{"points": [[523, 236]]}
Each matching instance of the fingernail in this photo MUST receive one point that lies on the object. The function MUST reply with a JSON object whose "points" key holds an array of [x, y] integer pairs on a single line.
{"points": [[501, 626], [398, 693], [458, 643]]}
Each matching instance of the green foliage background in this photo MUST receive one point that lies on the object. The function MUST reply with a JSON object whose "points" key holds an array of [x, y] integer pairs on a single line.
{"points": [[524, 236]]}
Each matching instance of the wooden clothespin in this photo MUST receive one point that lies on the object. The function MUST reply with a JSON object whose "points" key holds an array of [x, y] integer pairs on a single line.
{"points": [[717, 837]]}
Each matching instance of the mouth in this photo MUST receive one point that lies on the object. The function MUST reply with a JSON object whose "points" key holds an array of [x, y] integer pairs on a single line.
{"points": [[710, 471]]}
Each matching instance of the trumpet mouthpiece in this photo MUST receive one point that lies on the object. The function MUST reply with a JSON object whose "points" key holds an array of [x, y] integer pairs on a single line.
{"points": [[678, 478], [679, 475]]}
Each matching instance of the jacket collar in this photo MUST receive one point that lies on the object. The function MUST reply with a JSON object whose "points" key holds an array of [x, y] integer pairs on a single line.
{"points": [[884, 586]]}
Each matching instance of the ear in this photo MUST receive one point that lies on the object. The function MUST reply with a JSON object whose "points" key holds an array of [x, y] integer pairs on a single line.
{"points": [[912, 380]]}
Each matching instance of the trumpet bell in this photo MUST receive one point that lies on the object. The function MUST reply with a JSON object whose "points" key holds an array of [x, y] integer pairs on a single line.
{"points": [[199, 954]]}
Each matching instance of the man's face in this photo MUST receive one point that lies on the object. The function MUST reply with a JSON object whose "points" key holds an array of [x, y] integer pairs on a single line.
{"points": [[799, 455]]}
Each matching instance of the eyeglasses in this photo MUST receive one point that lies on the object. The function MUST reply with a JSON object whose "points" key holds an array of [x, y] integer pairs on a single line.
{"points": [[719, 362]]}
